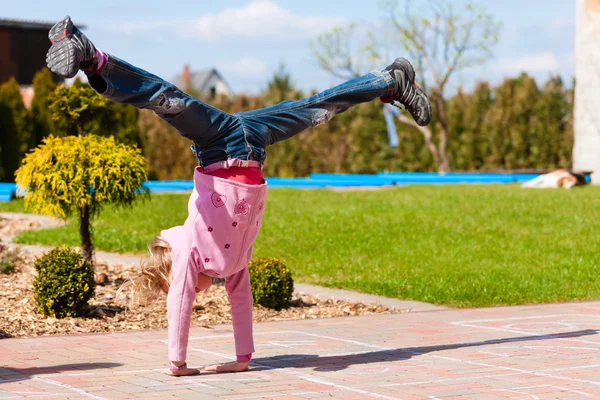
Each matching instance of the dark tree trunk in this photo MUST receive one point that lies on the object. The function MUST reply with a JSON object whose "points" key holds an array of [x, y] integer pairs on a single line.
{"points": [[87, 250]]}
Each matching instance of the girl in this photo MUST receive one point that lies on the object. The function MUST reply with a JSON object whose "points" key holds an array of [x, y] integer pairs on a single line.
{"points": [[228, 200]]}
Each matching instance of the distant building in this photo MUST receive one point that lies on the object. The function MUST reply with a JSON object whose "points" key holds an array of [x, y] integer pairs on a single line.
{"points": [[23, 48], [206, 83]]}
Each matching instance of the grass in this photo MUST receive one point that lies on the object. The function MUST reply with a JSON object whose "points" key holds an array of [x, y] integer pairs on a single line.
{"points": [[122, 230], [459, 245]]}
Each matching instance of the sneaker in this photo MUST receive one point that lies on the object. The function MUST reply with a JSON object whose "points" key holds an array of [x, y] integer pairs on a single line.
{"points": [[407, 93], [70, 50]]}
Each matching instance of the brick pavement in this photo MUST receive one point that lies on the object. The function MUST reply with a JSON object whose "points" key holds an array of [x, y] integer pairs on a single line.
{"points": [[528, 352]]}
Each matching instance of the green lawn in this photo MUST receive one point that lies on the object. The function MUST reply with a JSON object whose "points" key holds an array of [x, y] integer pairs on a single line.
{"points": [[458, 245]]}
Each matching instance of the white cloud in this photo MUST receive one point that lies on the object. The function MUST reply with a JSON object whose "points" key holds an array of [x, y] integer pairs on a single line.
{"points": [[563, 22], [132, 26], [246, 66], [246, 74], [532, 63], [258, 19]]}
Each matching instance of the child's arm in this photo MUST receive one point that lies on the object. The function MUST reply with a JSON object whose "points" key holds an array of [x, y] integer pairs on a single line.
{"points": [[180, 300], [240, 298]]}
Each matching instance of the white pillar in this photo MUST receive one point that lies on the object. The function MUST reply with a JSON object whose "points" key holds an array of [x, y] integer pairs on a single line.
{"points": [[586, 151]]}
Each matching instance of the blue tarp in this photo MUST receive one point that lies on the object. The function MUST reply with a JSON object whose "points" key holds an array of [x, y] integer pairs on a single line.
{"points": [[402, 178], [321, 180], [7, 191], [169, 186], [329, 182]]}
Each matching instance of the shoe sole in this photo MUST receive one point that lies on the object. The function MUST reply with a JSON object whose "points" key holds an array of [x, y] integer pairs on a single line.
{"points": [[418, 120], [401, 60], [61, 30], [61, 57]]}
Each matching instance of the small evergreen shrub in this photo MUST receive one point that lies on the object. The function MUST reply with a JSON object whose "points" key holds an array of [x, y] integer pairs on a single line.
{"points": [[271, 281], [8, 259], [79, 175], [64, 284]]}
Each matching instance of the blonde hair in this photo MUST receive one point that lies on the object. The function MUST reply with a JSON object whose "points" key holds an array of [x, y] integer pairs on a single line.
{"points": [[156, 274]]}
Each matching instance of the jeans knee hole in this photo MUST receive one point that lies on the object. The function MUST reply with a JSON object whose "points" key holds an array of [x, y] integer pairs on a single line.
{"points": [[168, 104], [322, 118]]}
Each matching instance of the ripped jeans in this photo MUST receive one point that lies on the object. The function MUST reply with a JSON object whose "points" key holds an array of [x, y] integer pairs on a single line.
{"points": [[219, 136]]}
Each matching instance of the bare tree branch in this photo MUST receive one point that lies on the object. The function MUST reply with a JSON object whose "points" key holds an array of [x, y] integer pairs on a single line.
{"points": [[414, 38], [440, 41], [427, 135], [334, 52]]}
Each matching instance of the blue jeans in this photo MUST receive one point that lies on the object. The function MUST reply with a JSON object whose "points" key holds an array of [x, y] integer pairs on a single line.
{"points": [[220, 136]]}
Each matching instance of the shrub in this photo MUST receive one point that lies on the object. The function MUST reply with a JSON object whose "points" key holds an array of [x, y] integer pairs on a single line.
{"points": [[16, 129], [175, 161], [79, 110], [64, 283], [272, 283], [8, 259], [43, 86], [78, 176]]}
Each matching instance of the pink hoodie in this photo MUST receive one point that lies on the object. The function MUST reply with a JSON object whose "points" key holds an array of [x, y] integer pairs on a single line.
{"points": [[216, 239]]}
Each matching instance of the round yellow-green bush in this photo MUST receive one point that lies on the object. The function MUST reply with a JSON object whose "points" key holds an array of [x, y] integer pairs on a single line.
{"points": [[64, 283], [271, 281], [74, 175]]}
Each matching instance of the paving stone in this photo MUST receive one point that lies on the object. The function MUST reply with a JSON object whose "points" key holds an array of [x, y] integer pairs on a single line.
{"points": [[548, 351]]}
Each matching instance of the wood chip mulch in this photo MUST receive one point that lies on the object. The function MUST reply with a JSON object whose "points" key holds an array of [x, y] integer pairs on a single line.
{"points": [[109, 312]]}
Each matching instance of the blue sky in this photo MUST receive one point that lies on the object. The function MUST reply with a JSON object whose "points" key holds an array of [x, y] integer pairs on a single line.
{"points": [[247, 40]]}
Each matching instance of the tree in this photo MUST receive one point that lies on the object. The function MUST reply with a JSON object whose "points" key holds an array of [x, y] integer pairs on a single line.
{"points": [[289, 157], [511, 126], [9, 145], [16, 130], [281, 88], [347, 52], [79, 175], [567, 145], [477, 142], [172, 161], [515, 125], [78, 109], [440, 42], [43, 86], [122, 121], [553, 144]]}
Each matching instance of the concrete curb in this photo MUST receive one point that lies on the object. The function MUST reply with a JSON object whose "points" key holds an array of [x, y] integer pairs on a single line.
{"points": [[347, 295]]}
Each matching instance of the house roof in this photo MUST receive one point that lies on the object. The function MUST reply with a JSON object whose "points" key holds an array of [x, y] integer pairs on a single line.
{"points": [[199, 79], [22, 24]]}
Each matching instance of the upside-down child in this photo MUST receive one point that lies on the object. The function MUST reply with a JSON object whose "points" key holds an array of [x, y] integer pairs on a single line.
{"points": [[228, 200]]}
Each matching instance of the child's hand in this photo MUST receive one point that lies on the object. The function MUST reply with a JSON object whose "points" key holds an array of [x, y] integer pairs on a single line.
{"points": [[233, 366]]}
